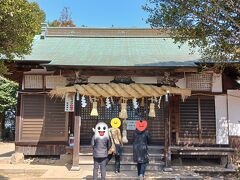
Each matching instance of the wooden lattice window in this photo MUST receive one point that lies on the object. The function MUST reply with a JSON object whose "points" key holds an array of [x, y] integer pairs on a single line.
{"points": [[199, 82], [198, 119], [32, 117], [54, 81], [33, 81], [55, 124], [43, 118]]}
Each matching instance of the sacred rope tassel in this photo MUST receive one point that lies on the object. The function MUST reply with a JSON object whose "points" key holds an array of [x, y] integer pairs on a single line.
{"points": [[142, 102], [135, 103], [83, 101], [152, 110], [94, 111], [159, 102], [183, 98], [102, 102], [108, 103], [124, 132], [123, 113], [120, 101]]}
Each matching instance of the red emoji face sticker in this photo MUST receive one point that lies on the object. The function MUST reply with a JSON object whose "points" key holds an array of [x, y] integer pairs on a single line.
{"points": [[141, 125]]}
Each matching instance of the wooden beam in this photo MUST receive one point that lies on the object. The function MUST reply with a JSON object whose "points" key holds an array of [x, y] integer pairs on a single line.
{"points": [[188, 69], [39, 143], [118, 71], [77, 126]]}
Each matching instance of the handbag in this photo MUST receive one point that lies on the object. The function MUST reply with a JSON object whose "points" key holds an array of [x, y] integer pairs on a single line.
{"points": [[112, 148], [118, 147]]}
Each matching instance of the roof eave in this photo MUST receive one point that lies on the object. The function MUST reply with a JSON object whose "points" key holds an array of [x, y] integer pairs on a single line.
{"points": [[115, 67]]}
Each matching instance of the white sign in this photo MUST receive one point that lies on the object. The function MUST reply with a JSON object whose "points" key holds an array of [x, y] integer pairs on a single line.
{"points": [[69, 103], [131, 124]]}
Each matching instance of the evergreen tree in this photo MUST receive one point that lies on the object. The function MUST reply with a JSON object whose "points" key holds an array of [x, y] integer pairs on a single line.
{"points": [[20, 21], [211, 25]]}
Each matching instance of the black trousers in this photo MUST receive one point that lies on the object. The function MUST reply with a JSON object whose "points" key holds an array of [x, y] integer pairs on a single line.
{"points": [[141, 167], [117, 161]]}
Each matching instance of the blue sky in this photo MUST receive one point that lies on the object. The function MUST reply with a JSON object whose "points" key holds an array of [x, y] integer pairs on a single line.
{"points": [[98, 13]]}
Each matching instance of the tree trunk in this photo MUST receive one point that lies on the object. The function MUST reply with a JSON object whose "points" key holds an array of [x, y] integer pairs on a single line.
{"points": [[2, 124]]}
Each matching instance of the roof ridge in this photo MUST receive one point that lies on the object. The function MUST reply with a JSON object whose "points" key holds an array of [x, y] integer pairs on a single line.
{"points": [[102, 36], [106, 32]]}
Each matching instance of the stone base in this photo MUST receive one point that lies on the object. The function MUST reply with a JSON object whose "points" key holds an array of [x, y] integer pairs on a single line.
{"points": [[167, 169], [17, 158], [231, 166], [75, 168], [224, 161], [69, 150], [66, 158]]}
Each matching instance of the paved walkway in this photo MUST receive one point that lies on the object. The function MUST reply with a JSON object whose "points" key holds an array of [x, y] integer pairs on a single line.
{"points": [[53, 170]]}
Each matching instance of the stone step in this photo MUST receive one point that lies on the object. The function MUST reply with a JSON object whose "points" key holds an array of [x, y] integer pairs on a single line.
{"points": [[37, 174], [216, 171], [132, 175], [129, 176], [5, 160], [128, 149], [22, 171], [125, 166], [128, 157]]}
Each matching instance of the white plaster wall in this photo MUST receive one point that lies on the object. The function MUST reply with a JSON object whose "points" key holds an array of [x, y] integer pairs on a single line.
{"points": [[181, 83], [221, 119], [145, 80], [100, 79], [234, 112], [217, 83]]}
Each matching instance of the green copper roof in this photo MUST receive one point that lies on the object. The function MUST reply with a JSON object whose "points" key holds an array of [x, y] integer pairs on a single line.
{"points": [[111, 51]]}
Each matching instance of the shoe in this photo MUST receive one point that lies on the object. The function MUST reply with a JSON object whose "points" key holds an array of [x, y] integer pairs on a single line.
{"points": [[116, 172], [141, 177]]}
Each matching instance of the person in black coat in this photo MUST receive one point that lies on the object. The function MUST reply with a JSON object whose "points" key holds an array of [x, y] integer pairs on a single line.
{"points": [[140, 148]]}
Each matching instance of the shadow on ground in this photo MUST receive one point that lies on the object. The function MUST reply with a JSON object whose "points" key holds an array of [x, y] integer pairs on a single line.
{"points": [[7, 154], [3, 178]]}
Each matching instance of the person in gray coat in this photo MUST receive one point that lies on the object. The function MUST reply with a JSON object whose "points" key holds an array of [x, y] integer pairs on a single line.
{"points": [[100, 144]]}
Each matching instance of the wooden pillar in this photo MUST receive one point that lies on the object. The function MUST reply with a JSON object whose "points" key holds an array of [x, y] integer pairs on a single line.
{"points": [[77, 126], [167, 154], [199, 122], [177, 117], [18, 118]]}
